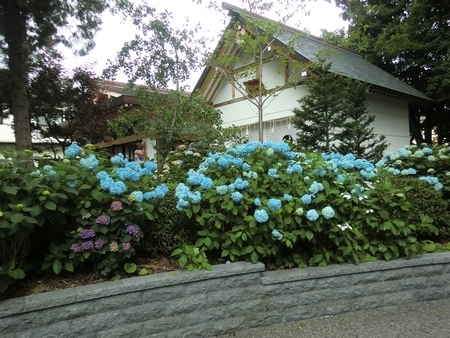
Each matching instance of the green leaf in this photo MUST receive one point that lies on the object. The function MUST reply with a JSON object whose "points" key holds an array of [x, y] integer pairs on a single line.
{"points": [[97, 195], [10, 189], [176, 252], [254, 257], [49, 205], [183, 260], [54, 249], [249, 249], [68, 266], [17, 218], [130, 267], [309, 235], [143, 272], [57, 266], [196, 208]]}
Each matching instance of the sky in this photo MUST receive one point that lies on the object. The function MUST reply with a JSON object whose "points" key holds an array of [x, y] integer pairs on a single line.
{"points": [[113, 34]]}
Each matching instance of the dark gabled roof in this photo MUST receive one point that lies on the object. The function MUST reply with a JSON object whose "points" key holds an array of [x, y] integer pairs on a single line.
{"points": [[344, 61], [349, 64]]}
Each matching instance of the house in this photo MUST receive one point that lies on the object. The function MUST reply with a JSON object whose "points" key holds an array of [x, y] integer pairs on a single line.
{"points": [[133, 147], [119, 96], [388, 98], [8, 139]]}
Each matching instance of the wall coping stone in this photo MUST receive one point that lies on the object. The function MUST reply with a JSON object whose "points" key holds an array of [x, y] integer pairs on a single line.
{"points": [[292, 275], [89, 292]]}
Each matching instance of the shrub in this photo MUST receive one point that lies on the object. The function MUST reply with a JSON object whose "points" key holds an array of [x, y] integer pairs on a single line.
{"points": [[257, 202], [428, 163], [426, 201]]}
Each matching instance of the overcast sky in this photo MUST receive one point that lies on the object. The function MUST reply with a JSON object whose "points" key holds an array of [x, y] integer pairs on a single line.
{"points": [[114, 33]]}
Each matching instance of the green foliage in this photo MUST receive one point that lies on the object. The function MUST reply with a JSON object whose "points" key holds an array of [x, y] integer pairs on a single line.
{"points": [[333, 116], [268, 204], [425, 201], [408, 39], [192, 258], [169, 230], [85, 108], [69, 207], [429, 163]]}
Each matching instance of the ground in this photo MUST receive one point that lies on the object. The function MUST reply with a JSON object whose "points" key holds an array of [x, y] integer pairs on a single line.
{"points": [[30, 286]]}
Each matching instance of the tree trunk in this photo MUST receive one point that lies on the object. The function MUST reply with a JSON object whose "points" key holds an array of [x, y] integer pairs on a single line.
{"points": [[15, 36]]}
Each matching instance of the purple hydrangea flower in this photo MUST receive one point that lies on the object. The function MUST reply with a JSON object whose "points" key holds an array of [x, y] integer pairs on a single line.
{"points": [[103, 219], [88, 245], [132, 230], [126, 246], [75, 248], [99, 244], [87, 233]]}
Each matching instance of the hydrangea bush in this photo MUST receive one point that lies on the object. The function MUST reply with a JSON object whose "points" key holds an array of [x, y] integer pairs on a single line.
{"points": [[430, 164], [263, 202], [85, 207]]}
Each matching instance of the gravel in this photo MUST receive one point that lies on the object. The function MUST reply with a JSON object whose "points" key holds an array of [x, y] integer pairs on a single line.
{"points": [[414, 320]]}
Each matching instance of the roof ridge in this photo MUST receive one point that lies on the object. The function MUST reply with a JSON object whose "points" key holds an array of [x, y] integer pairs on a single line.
{"points": [[240, 11]]}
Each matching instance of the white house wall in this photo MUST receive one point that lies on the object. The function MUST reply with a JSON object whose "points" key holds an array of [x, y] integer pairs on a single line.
{"points": [[391, 117]]}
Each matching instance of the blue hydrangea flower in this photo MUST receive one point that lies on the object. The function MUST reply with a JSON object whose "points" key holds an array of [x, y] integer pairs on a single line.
{"points": [[272, 173], [277, 234], [138, 196], [306, 199], [101, 175], [321, 172], [315, 187], [312, 215], [106, 183], [72, 151], [90, 162], [231, 187], [195, 178], [72, 183], [119, 160], [274, 204], [223, 163], [246, 166], [257, 202], [287, 197], [328, 212], [431, 158], [236, 196], [149, 167], [240, 184], [261, 216], [427, 151], [117, 188], [221, 190], [206, 183]]}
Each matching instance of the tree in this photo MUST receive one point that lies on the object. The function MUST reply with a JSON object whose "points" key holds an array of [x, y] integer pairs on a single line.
{"points": [[26, 26], [411, 40], [333, 116], [64, 108], [164, 56], [249, 44], [320, 112], [356, 135]]}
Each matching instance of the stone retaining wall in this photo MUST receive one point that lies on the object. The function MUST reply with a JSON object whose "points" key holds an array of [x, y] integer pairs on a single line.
{"points": [[231, 297]]}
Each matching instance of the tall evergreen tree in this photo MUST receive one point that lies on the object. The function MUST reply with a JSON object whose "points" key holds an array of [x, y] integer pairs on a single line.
{"points": [[357, 135], [334, 116], [319, 115]]}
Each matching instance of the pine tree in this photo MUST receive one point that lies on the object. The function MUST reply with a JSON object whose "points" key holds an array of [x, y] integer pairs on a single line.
{"points": [[357, 136], [334, 116], [318, 117]]}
